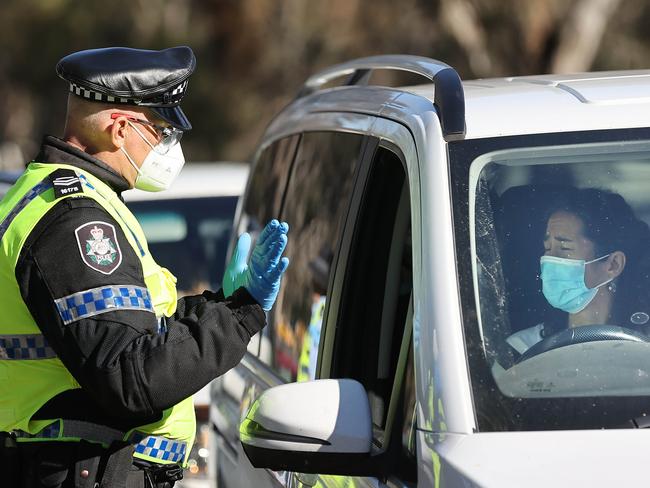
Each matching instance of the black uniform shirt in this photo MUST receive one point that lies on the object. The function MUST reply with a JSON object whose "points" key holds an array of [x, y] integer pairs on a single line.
{"points": [[128, 371]]}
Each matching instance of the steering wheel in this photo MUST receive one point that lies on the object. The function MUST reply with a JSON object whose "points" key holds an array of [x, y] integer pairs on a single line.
{"points": [[585, 333]]}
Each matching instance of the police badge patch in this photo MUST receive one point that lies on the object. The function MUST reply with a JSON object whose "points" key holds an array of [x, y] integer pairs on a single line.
{"points": [[98, 246]]}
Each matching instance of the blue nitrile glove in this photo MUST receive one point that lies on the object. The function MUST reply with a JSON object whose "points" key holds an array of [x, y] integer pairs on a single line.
{"points": [[263, 275], [233, 277]]}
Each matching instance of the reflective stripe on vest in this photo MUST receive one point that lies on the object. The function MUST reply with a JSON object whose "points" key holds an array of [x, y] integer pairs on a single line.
{"points": [[43, 186], [158, 447], [95, 301], [25, 346]]}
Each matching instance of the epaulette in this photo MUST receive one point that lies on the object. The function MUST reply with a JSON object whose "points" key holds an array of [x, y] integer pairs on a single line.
{"points": [[65, 182]]}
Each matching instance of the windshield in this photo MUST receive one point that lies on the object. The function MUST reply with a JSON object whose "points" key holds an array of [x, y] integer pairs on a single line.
{"points": [[556, 284]]}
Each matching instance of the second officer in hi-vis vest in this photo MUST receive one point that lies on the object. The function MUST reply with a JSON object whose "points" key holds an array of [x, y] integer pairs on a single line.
{"points": [[98, 357]]}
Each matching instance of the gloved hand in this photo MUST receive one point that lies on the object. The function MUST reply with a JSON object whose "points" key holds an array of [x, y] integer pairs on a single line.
{"points": [[262, 276], [233, 277]]}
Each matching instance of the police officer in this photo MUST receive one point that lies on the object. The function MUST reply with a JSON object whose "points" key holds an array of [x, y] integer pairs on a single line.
{"points": [[98, 357]]}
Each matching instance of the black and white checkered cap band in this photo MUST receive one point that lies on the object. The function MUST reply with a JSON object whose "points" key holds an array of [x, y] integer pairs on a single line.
{"points": [[99, 97], [180, 89], [169, 97]]}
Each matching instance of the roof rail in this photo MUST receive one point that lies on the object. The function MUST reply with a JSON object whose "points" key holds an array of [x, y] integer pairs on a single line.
{"points": [[449, 99]]}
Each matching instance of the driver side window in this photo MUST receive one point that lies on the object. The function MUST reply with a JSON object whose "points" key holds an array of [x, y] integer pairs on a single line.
{"points": [[373, 341]]}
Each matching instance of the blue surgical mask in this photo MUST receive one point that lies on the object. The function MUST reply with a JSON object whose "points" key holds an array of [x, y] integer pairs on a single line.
{"points": [[563, 283]]}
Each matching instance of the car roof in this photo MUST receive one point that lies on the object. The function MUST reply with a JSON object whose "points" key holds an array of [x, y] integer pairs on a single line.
{"points": [[494, 107], [200, 180], [553, 103]]}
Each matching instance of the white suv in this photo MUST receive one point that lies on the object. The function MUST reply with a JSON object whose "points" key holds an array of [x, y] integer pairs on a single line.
{"points": [[468, 301]]}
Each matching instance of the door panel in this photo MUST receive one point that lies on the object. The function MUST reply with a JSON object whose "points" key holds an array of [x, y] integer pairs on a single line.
{"points": [[248, 379], [326, 169]]}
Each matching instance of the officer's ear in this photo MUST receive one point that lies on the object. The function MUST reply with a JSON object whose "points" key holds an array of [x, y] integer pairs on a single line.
{"points": [[119, 130]]}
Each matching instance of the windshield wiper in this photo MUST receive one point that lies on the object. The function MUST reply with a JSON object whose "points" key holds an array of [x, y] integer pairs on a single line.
{"points": [[642, 422]]}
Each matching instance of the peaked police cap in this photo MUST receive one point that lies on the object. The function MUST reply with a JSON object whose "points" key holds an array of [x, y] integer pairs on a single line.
{"points": [[120, 75]]}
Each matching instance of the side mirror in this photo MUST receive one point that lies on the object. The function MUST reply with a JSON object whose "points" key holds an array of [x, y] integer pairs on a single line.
{"points": [[321, 426]]}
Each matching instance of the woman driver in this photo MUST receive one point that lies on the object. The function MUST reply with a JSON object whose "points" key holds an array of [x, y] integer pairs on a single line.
{"points": [[594, 268]]}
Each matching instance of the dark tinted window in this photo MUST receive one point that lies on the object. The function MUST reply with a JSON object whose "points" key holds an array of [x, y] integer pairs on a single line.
{"points": [[374, 324], [315, 206], [262, 202], [267, 184]]}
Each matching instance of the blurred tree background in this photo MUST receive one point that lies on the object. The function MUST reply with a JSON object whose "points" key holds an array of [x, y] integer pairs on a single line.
{"points": [[253, 55]]}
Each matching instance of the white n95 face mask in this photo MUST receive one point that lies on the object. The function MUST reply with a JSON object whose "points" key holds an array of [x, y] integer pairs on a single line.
{"points": [[158, 171]]}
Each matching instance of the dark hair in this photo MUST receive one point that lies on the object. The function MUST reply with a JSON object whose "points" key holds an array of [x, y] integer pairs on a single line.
{"points": [[610, 223]]}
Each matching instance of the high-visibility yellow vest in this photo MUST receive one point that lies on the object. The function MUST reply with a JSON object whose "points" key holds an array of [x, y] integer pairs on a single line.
{"points": [[30, 372]]}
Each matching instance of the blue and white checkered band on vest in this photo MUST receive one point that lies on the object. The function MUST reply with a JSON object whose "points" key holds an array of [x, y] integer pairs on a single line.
{"points": [[170, 97], [158, 447], [25, 346], [95, 301]]}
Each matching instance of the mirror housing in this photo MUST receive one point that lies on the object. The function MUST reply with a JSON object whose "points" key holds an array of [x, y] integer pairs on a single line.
{"points": [[321, 426]]}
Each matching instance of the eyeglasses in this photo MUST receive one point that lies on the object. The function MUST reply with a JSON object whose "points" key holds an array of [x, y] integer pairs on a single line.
{"points": [[169, 136]]}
